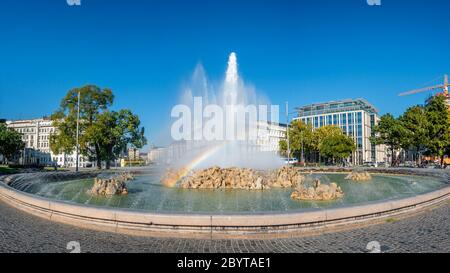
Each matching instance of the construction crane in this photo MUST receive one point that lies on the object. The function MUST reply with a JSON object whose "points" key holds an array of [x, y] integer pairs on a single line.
{"points": [[443, 87]]}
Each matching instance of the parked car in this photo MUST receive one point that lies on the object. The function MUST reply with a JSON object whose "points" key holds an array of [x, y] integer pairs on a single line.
{"points": [[290, 160], [369, 164]]}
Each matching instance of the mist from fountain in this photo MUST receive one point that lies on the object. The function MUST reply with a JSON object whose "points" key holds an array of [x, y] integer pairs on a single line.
{"points": [[241, 151]]}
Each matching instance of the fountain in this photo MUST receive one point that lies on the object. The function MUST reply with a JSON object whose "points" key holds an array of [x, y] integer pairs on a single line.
{"points": [[359, 176], [242, 178], [239, 148], [111, 184], [318, 192], [224, 177]]}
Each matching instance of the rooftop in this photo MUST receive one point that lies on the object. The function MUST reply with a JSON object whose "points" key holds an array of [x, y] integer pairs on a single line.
{"points": [[336, 106]]}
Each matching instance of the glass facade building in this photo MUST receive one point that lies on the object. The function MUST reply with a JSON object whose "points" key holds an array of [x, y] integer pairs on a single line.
{"points": [[356, 118]]}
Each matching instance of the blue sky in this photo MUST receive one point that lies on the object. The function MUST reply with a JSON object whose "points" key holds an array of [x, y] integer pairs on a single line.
{"points": [[296, 51]]}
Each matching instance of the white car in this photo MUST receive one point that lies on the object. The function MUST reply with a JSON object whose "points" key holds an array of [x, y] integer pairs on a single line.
{"points": [[290, 160]]}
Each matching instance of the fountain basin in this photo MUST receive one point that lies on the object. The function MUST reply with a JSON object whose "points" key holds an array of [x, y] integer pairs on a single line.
{"points": [[221, 223]]}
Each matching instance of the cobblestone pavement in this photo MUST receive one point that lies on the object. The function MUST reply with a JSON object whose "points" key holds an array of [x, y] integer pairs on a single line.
{"points": [[427, 232]]}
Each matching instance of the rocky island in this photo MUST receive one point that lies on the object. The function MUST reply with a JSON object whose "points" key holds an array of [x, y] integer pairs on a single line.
{"points": [[318, 192], [111, 184], [359, 176], [234, 178]]}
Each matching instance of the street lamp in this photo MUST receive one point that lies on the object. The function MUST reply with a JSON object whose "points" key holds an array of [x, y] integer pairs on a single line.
{"points": [[288, 138], [78, 126], [287, 134]]}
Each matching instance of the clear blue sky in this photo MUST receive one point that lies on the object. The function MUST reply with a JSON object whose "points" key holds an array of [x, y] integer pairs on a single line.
{"points": [[296, 51]]}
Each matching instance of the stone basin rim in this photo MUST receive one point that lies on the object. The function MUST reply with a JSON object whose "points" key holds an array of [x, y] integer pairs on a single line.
{"points": [[125, 220]]}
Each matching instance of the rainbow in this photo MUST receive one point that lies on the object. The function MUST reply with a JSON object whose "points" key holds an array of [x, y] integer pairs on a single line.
{"points": [[172, 179]]}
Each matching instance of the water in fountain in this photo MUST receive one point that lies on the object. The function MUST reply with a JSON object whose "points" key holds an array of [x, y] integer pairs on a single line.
{"points": [[242, 150]]}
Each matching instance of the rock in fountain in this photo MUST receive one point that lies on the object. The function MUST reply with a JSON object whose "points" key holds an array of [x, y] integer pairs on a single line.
{"points": [[318, 192], [286, 177], [111, 184], [236, 178], [358, 176]]}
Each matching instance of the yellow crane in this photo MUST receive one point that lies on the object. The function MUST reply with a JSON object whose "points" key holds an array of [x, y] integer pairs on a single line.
{"points": [[443, 87]]}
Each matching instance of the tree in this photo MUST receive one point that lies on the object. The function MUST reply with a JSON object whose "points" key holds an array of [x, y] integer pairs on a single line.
{"points": [[93, 101], [10, 142], [100, 131], [337, 146], [389, 132], [282, 144], [113, 131], [321, 134], [415, 124], [300, 139], [438, 127], [327, 140]]}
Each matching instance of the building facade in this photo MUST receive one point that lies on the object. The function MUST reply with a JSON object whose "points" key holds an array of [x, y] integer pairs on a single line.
{"points": [[36, 136], [269, 140], [357, 119], [156, 154]]}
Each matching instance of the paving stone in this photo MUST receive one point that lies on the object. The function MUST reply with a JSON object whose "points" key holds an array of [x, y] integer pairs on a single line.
{"points": [[426, 232]]}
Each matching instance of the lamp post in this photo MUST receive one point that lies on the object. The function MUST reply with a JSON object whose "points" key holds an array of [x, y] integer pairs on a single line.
{"points": [[78, 126], [288, 137], [287, 134]]}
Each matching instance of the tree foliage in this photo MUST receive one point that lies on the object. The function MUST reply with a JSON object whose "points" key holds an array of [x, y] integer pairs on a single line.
{"points": [[390, 132], [419, 128], [438, 126], [300, 137], [103, 134], [333, 143], [329, 141], [10, 142], [415, 129]]}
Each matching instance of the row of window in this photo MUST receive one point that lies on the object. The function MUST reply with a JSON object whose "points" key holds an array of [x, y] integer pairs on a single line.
{"points": [[334, 119], [43, 145], [46, 130], [44, 137], [350, 123], [68, 159], [33, 130]]}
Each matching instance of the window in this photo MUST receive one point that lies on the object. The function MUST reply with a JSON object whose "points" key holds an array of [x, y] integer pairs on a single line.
{"points": [[335, 119], [350, 131], [329, 120], [344, 119], [351, 118]]}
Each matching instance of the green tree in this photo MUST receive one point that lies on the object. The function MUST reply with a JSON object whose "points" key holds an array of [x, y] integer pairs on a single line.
{"points": [[300, 139], [282, 144], [113, 131], [10, 142], [94, 117], [438, 127], [415, 124], [337, 146], [321, 134], [390, 132], [327, 140]]}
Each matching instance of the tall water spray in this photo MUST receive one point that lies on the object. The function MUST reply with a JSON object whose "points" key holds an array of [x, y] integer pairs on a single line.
{"points": [[230, 91], [238, 152]]}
